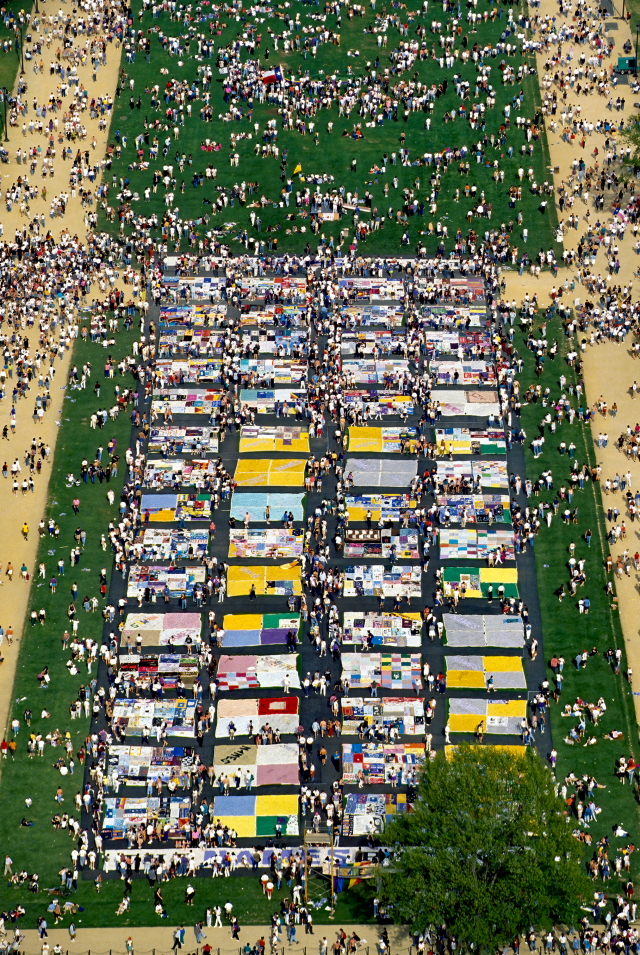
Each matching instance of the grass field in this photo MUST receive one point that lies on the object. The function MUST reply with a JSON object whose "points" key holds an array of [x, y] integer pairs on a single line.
{"points": [[11, 13], [334, 153], [565, 631]]}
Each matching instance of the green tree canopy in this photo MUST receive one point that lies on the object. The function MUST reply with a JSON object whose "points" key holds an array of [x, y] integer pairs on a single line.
{"points": [[488, 850], [630, 137]]}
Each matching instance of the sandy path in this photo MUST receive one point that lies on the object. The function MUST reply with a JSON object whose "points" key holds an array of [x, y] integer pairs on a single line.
{"points": [[13, 597], [608, 369], [160, 940]]}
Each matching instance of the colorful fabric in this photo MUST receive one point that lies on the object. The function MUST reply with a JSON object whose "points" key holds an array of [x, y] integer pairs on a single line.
{"points": [[252, 672], [388, 629], [383, 507], [375, 580], [472, 673], [282, 438], [177, 580], [391, 671], [469, 441], [258, 629], [255, 505], [466, 372], [405, 713], [263, 400], [275, 542], [160, 543], [462, 542], [476, 581], [275, 765], [251, 716], [270, 472], [258, 815], [183, 440], [378, 762], [474, 508], [386, 440], [161, 629], [502, 717], [272, 580], [361, 542]]}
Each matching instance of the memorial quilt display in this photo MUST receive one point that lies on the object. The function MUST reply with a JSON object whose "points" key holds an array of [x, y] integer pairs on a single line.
{"points": [[463, 372], [383, 507], [177, 580], [377, 762], [481, 472], [406, 714], [367, 316], [283, 438], [169, 669], [161, 629], [387, 629], [473, 673], [165, 544], [483, 630], [376, 580], [271, 580], [250, 672], [251, 716], [274, 371], [380, 472], [385, 342], [276, 341], [462, 542], [454, 402], [176, 472], [469, 441], [178, 371], [256, 504], [122, 813], [178, 402], [386, 440], [263, 400], [274, 765], [146, 717], [391, 671], [266, 542], [177, 440], [260, 816], [473, 508], [135, 765], [476, 581], [258, 629], [378, 404], [378, 542], [366, 813], [384, 371], [502, 717], [270, 472]]}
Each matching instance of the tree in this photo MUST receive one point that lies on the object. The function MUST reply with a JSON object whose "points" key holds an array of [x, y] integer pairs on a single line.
{"points": [[488, 851], [629, 137]]}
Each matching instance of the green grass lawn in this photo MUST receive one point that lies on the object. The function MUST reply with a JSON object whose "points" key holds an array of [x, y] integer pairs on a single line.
{"points": [[334, 153], [252, 907], [39, 848], [565, 631], [12, 12]]}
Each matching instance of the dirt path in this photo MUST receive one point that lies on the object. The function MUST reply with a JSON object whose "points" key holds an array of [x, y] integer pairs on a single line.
{"points": [[160, 940], [608, 369], [30, 508]]}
